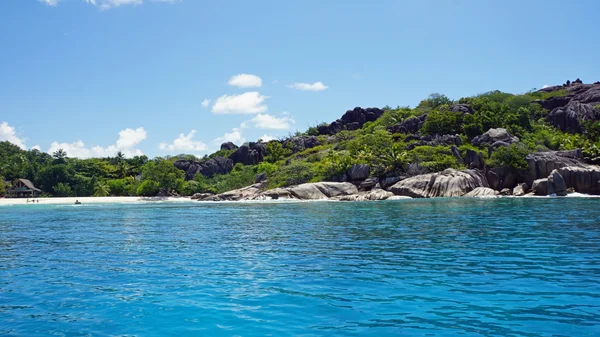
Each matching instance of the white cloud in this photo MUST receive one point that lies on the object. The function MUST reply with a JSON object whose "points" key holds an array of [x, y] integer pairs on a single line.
{"points": [[8, 133], [185, 143], [235, 136], [545, 86], [107, 4], [266, 138], [266, 121], [317, 86], [205, 103], [247, 103], [36, 147], [128, 140], [52, 3], [245, 81]]}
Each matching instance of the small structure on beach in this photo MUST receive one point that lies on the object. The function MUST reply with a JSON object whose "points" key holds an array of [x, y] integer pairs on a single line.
{"points": [[23, 188]]}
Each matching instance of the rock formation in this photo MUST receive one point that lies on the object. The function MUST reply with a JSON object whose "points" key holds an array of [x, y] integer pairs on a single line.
{"points": [[448, 183]]}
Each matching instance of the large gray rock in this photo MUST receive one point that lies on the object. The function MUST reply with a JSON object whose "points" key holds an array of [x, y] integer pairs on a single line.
{"points": [[464, 108], [368, 184], [494, 135], [228, 146], [210, 167], [474, 160], [249, 154], [251, 192], [378, 194], [570, 117], [448, 183], [584, 179], [277, 193], [482, 192], [322, 190], [358, 172], [541, 164], [352, 120], [410, 125], [540, 186], [200, 196], [521, 190], [297, 144], [556, 184]]}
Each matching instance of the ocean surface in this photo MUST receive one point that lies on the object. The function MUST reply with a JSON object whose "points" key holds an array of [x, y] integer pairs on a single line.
{"points": [[445, 267]]}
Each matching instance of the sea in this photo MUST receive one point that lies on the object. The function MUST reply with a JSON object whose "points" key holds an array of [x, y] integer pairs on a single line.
{"points": [[525, 267]]}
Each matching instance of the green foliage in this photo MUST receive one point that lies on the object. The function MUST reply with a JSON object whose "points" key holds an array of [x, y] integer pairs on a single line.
{"points": [[276, 152], [443, 122], [239, 177], [298, 172], [266, 167], [2, 188], [510, 156], [389, 118], [222, 153], [148, 188], [164, 173], [433, 101], [63, 190], [434, 158]]}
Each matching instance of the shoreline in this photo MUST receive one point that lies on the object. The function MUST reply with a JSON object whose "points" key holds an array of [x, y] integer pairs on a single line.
{"points": [[91, 200], [150, 200]]}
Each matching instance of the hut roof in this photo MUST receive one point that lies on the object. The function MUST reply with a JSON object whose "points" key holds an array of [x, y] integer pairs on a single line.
{"points": [[29, 184]]}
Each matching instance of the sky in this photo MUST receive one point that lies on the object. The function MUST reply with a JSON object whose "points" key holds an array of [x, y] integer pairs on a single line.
{"points": [[164, 77]]}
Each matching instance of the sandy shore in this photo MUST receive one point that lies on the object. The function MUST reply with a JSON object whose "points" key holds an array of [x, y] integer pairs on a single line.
{"points": [[90, 200]]}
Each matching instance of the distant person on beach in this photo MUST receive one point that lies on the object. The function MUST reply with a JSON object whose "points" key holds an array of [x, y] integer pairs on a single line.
{"points": [[77, 202]]}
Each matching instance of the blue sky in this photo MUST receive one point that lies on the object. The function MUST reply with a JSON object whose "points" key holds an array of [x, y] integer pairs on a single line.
{"points": [[161, 77]]}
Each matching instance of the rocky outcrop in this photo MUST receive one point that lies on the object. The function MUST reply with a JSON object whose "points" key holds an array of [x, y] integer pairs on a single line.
{"points": [[277, 193], [521, 190], [208, 168], [541, 164], [570, 117], [389, 181], [201, 196], [298, 144], [260, 177], [322, 190], [556, 184], [352, 120], [500, 178], [358, 172], [228, 146], [584, 179], [540, 186], [474, 160], [410, 125], [492, 136], [569, 112], [448, 183], [249, 154], [368, 184], [482, 192], [252, 192], [464, 108], [378, 194]]}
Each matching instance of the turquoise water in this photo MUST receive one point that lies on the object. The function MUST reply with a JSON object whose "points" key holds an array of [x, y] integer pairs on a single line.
{"points": [[453, 267]]}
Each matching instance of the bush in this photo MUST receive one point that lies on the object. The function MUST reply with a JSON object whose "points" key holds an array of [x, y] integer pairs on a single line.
{"points": [[510, 156], [443, 122], [434, 158], [276, 151], [148, 188], [63, 190], [296, 173]]}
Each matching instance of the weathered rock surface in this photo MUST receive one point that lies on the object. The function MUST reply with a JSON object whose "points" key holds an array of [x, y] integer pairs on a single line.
{"points": [[378, 194], [464, 108], [368, 184], [277, 193], [389, 181], [521, 190], [474, 160], [351, 120], [216, 165], [540, 186], [228, 146], [503, 177], [251, 192], [541, 164], [249, 154], [494, 135], [297, 144], [200, 196], [358, 172], [448, 183], [570, 117], [260, 177], [556, 184], [322, 190], [410, 125], [584, 179], [482, 192]]}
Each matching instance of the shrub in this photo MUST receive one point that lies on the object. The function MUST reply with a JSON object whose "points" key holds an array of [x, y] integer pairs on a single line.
{"points": [[434, 158], [443, 122], [63, 190], [296, 173], [148, 188], [510, 156], [275, 152]]}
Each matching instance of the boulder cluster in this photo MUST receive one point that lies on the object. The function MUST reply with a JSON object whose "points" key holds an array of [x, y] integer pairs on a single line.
{"points": [[352, 120]]}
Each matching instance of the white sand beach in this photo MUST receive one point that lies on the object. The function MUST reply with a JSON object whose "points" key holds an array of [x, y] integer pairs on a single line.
{"points": [[89, 200]]}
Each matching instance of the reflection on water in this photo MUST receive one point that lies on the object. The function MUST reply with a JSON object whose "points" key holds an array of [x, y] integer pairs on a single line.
{"points": [[504, 267]]}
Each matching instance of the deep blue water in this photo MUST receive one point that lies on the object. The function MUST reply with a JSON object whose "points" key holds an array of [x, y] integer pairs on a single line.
{"points": [[447, 267]]}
